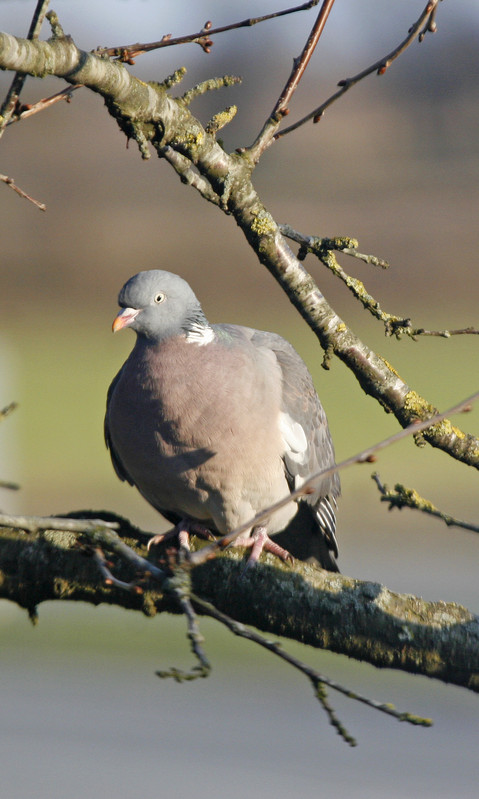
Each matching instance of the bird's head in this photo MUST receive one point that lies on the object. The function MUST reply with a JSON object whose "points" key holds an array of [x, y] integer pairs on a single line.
{"points": [[158, 305]]}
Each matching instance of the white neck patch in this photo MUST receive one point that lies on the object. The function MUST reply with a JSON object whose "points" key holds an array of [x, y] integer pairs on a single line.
{"points": [[200, 334]]}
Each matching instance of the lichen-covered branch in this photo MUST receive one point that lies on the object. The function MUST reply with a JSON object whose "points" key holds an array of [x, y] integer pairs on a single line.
{"points": [[402, 497], [147, 113], [360, 619]]}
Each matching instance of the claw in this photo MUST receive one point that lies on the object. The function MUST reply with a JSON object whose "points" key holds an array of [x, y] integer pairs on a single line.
{"points": [[260, 541], [182, 531]]}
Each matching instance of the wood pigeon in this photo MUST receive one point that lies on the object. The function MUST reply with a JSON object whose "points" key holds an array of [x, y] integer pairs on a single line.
{"points": [[214, 423]]}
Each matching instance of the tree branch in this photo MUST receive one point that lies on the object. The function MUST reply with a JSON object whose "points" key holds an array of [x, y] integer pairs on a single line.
{"points": [[329, 611], [324, 249], [129, 51], [403, 497]]}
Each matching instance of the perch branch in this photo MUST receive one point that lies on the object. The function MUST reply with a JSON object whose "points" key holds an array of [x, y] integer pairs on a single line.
{"points": [[178, 587], [330, 611]]}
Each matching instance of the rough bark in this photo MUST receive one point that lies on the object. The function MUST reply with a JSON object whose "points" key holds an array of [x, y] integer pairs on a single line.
{"points": [[363, 620]]}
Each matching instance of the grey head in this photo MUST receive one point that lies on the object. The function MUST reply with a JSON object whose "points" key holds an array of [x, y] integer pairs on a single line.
{"points": [[158, 304]]}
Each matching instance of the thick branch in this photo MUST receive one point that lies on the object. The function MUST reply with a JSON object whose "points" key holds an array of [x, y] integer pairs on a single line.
{"points": [[360, 619]]}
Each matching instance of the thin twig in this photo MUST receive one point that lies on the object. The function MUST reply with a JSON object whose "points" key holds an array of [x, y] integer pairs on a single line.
{"points": [[178, 585], [344, 244], [109, 578], [424, 23], [196, 639], [26, 111], [21, 193], [300, 64], [367, 455], [131, 51], [413, 332], [266, 136], [4, 412], [403, 497], [314, 676]]}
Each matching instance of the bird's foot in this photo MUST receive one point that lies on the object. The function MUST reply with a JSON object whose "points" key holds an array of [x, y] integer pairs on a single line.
{"points": [[182, 532], [260, 541]]}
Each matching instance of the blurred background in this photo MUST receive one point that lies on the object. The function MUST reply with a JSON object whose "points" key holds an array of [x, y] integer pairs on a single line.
{"points": [[395, 163]]}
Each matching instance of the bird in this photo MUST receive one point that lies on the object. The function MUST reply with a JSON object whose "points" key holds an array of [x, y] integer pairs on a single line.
{"points": [[213, 423]]}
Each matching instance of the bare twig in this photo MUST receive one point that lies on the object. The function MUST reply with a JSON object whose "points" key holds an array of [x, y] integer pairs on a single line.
{"points": [[130, 51], [21, 193], [317, 679], [300, 64], [424, 24], [366, 456], [4, 412], [180, 587], [266, 136], [403, 497], [9, 104], [25, 111], [109, 578]]}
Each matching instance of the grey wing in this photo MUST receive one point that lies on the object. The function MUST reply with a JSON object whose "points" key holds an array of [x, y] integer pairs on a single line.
{"points": [[304, 427], [115, 459]]}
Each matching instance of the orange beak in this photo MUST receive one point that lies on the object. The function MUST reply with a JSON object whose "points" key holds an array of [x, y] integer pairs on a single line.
{"points": [[124, 318]]}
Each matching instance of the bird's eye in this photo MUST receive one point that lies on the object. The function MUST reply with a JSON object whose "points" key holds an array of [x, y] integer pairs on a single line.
{"points": [[160, 297]]}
